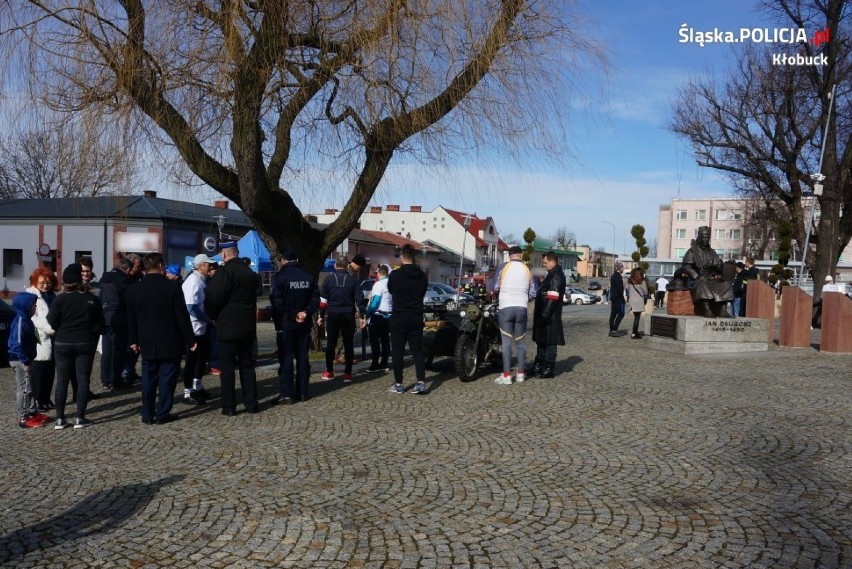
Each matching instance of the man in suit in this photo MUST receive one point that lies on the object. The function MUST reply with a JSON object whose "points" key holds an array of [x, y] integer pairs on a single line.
{"points": [[159, 328]]}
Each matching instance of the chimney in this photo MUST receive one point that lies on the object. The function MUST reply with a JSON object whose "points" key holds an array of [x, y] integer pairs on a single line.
{"points": [[376, 209], [330, 211], [149, 194], [392, 208], [220, 204], [415, 208]]}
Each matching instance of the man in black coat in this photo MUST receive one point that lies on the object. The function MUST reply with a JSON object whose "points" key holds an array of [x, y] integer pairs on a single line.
{"points": [[616, 299], [295, 299], [231, 301], [547, 317], [114, 338], [159, 328]]}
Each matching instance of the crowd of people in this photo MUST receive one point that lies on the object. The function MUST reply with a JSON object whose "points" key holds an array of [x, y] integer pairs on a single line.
{"points": [[142, 308]]}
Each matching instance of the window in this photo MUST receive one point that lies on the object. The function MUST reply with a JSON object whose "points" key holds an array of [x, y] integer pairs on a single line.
{"points": [[721, 215], [719, 234], [680, 233], [700, 214], [680, 252], [680, 214], [13, 262], [736, 234], [720, 252], [81, 254], [736, 215]]}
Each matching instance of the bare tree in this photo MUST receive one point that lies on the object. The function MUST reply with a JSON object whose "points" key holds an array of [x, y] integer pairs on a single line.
{"points": [[565, 238], [765, 128], [261, 98], [510, 239], [62, 158]]}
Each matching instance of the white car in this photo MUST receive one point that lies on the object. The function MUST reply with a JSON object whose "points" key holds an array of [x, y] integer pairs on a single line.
{"points": [[576, 296]]}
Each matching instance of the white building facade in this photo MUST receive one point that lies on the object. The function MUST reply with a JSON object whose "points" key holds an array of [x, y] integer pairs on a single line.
{"points": [[440, 226]]}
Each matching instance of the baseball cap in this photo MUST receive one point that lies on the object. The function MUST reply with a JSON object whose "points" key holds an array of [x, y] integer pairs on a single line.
{"points": [[515, 250], [200, 259], [173, 270]]}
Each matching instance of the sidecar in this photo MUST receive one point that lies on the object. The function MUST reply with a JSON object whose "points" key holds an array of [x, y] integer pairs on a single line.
{"points": [[439, 336]]}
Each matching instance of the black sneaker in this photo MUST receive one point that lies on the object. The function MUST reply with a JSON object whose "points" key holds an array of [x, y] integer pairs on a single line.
{"points": [[193, 399], [201, 394], [82, 423], [60, 425]]}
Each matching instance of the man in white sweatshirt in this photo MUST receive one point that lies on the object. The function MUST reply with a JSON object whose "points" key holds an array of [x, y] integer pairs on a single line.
{"points": [[513, 282]]}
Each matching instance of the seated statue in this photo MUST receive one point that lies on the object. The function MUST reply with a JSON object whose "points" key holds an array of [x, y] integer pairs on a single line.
{"points": [[704, 267]]}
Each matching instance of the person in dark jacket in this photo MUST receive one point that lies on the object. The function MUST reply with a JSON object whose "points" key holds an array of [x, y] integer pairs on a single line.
{"points": [[114, 341], [616, 299], [77, 318], [231, 302], [748, 274], [547, 317], [339, 296], [295, 299], [159, 329], [407, 285], [23, 344]]}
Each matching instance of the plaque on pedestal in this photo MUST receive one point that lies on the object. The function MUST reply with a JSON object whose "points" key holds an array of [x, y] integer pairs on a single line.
{"points": [[699, 335]]}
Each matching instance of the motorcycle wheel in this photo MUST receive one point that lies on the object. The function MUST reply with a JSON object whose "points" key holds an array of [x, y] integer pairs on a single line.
{"points": [[466, 359]]}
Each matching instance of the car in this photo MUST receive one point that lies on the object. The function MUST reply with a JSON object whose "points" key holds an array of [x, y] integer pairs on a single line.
{"points": [[578, 296], [431, 302], [594, 285], [595, 298], [448, 295]]}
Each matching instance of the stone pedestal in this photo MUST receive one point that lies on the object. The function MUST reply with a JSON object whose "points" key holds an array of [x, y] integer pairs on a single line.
{"points": [[699, 335], [679, 303], [836, 323], [760, 303], [796, 309]]}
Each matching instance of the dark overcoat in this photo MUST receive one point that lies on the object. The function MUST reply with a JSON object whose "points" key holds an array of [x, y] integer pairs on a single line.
{"points": [[231, 300], [547, 313], [157, 318]]}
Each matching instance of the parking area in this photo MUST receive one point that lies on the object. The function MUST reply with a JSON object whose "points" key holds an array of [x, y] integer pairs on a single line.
{"points": [[628, 458]]}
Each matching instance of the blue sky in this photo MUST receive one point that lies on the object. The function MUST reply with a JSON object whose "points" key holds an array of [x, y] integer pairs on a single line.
{"points": [[625, 163]]}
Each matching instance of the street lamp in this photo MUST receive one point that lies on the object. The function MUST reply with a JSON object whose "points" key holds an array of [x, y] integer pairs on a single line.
{"points": [[614, 256], [220, 222], [467, 222]]}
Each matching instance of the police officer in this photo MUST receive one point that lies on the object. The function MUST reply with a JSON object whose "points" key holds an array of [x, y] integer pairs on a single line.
{"points": [[295, 298]]}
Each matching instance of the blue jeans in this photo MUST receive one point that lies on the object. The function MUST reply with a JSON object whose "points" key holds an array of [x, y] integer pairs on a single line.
{"points": [[158, 375], [513, 328], [736, 307]]}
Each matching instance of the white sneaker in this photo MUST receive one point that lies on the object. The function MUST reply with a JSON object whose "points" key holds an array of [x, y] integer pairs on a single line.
{"points": [[520, 377], [503, 380]]}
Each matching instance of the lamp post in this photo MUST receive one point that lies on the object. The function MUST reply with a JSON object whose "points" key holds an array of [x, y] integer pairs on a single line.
{"points": [[818, 179], [467, 221], [614, 256], [220, 222]]}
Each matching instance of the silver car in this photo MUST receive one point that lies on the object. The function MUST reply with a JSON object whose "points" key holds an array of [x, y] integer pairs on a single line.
{"points": [[447, 295]]}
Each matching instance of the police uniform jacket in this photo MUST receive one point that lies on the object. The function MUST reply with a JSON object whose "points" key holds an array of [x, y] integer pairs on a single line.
{"points": [[232, 301], [293, 290]]}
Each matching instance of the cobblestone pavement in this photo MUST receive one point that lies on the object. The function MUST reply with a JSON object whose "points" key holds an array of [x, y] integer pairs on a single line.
{"points": [[629, 458]]}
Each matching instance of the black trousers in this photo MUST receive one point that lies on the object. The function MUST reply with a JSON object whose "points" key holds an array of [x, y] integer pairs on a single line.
{"points": [[380, 340], [335, 326], [407, 328], [235, 354], [196, 362], [293, 345], [113, 355], [616, 313], [73, 364], [42, 375]]}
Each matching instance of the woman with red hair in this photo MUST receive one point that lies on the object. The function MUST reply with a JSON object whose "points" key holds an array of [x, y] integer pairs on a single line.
{"points": [[42, 284]]}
